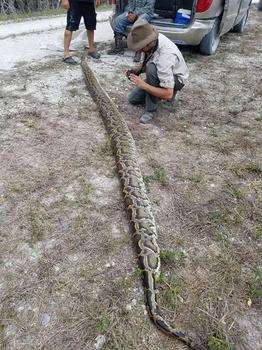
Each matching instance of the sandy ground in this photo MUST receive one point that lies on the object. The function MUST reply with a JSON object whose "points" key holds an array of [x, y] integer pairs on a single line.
{"points": [[69, 276], [32, 40]]}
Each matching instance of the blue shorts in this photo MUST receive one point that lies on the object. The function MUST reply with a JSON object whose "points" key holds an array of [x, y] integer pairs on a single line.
{"points": [[78, 10]]}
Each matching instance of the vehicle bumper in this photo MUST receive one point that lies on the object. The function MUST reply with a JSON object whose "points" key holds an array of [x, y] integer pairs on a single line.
{"points": [[191, 35]]}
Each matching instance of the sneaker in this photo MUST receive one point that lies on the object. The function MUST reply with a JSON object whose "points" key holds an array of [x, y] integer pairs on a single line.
{"points": [[169, 104], [95, 55], [146, 117]]}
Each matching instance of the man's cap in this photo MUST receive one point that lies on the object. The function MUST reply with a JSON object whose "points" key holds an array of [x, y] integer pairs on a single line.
{"points": [[141, 34]]}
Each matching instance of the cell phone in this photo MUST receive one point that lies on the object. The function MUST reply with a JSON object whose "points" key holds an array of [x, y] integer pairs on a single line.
{"points": [[129, 72]]}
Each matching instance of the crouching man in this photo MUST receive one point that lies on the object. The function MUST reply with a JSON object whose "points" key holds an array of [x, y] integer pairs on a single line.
{"points": [[164, 65]]}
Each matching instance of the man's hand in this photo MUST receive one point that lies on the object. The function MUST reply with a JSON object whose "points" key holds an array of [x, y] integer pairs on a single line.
{"points": [[131, 17], [136, 80], [157, 91], [65, 4], [129, 72], [98, 2]]}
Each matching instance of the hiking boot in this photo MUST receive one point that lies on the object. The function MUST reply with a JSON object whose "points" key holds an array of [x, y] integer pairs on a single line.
{"points": [[146, 117], [118, 47], [169, 104]]}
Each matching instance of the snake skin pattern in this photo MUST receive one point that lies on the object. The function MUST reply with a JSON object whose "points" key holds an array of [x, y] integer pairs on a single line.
{"points": [[137, 202]]}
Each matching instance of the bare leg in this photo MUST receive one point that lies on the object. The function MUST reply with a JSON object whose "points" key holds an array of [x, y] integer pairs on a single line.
{"points": [[92, 49], [90, 37], [67, 42]]}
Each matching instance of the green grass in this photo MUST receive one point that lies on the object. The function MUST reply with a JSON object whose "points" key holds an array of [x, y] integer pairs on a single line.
{"points": [[216, 344], [104, 323], [169, 290], [87, 190], [257, 232], [243, 170], [161, 278], [222, 147], [24, 15], [147, 179], [2, 329], [30, 123], [137, 272], [224, 237], [171, 256], [256, 283], [170, 294], [159, 175], [254, 168], [194, 178], [227, 216], [233, 191], [36, 222]]}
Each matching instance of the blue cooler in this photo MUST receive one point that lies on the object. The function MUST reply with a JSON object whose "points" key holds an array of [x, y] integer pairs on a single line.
{"points": [[182, 17]]}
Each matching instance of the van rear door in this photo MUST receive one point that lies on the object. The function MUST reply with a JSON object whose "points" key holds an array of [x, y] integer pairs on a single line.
{"points": [[231, 10]]}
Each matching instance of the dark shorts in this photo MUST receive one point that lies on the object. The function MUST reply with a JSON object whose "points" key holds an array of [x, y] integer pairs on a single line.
{"points": [[78, 10]]}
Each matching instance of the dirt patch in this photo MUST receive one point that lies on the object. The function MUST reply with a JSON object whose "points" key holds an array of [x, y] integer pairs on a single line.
{"points": [[69, 271]]}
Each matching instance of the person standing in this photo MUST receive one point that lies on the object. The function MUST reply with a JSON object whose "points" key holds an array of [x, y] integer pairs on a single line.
{"points": [[76, 9], [164, 65]]}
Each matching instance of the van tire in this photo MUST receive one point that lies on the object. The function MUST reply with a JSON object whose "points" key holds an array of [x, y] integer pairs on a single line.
{"points": [[210, 42], [239, 28]]}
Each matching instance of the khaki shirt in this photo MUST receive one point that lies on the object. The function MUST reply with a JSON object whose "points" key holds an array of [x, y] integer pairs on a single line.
{"points": [[169, 62]]}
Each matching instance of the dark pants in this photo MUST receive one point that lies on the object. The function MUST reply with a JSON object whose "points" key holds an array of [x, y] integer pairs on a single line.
{"points": [[140, 97], [78, 10]]}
